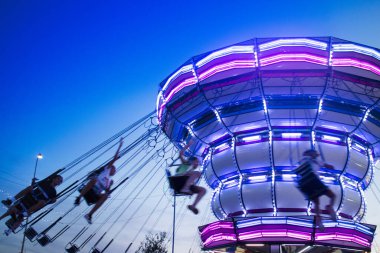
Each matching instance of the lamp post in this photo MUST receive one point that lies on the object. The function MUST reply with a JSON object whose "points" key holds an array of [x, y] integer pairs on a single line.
{"points": [[39, 157]]}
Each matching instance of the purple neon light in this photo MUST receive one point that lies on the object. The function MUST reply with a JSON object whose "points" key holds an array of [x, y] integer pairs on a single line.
{"points": [[214, 239], [181, 71], [293, 58], [342, 237], [266, 228], [183, 84], [274, 233], [349, 62], [217, 225], [226, 66]]}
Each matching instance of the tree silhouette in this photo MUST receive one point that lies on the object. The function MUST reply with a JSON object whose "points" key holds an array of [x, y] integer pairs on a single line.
{"points": [[153, 243]]}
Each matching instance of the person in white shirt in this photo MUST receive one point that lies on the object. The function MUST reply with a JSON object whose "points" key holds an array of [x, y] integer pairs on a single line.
{"points": [[99, 185]]}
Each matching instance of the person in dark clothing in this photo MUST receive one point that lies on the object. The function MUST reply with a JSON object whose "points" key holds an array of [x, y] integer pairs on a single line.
{"points": [[311, 186], [32, 199]]}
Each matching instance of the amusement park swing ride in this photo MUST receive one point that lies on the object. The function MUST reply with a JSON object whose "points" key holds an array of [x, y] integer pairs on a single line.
{"points": [[249, 111]]}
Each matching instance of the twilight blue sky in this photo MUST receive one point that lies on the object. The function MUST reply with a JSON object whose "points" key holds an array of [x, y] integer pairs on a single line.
{"points": [[72, 73]]}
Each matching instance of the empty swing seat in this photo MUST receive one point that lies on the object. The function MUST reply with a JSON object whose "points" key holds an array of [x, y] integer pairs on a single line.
{"points": [[43, 240], [30, 233], [72, 249]]}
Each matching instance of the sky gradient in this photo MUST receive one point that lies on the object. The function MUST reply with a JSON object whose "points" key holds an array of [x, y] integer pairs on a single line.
{"points": [[73, 73]]}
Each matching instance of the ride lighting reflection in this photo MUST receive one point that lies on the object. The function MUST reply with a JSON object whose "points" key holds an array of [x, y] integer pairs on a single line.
{"points": [[256, 179], [251, 138], [291, 135], [330, 138], [222, 147]]}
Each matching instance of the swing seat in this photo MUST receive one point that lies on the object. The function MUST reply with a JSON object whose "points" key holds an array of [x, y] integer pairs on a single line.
{"points": [[73, 249], [176, 183], [95, 250], [26, 202], [30, 233], [43, 240], [91, 197], [10, 222]]}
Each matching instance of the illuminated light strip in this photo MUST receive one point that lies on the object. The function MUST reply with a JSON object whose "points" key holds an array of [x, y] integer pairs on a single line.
{"points": [[320, 105], [313, 138], [274, 220], [185, 83], [364, 204], [217, 226], [342, 237], [222, 147], [366, 114], [243, 224], [293, 58], [330, 138], [291, 135], [251, 138], [348, 62], [158, 107], [256, 179], [355, 226], [219, 237], [190, 131], [357, 49], [181, 71], [261, 234], [226, 66], [225, 52], [160, 110], [273, 171], [293, 42], [289, 176]]}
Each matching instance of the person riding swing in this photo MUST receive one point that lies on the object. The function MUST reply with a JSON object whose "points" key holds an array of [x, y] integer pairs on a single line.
{"points": [[31, 200], [187, 168], [97, 189], [312, 187]]}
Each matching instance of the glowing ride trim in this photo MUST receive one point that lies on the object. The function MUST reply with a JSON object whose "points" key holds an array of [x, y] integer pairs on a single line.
{"points": [[339, 62], [357, 49], [226, 66], [183, 84], [348, 62], [342, 237], [181, 71], [225, 52], [291, 135], [330, 138], [274, 233], [219, 237], [251, 138], [217, 226], [293, 58], [293, 42]]}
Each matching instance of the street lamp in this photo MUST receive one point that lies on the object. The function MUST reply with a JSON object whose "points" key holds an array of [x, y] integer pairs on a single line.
{"points": [[39, 157]]}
